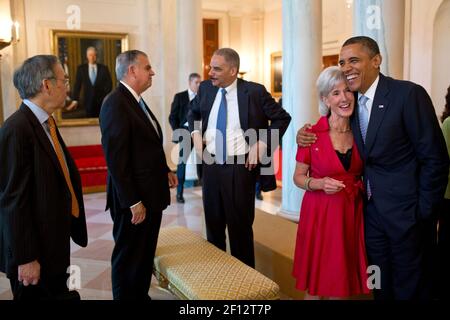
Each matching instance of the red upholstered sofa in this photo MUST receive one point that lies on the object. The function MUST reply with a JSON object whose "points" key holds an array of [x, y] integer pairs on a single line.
{"points": [[91, 164]]}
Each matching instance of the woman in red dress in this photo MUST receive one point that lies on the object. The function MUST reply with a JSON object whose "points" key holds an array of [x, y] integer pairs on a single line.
{"points": [[330, 257]]}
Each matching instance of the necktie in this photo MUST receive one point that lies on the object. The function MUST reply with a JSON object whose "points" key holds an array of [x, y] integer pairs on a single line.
{"points": [[142, 105], [363, 116], [92, 74], [221, 133], [363, 124], [62, 163]]}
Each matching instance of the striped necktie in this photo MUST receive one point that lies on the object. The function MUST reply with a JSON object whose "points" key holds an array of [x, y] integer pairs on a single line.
{"points": [[363, 116], [59, 153], [363, 124]]}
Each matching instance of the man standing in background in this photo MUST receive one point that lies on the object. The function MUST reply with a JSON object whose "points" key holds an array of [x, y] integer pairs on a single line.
{"points": [[178, 120], [93, 82]]}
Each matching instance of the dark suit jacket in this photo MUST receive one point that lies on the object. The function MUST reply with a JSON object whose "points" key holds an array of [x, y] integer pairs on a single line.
{"points": [[256, 109], [405, 155], [178, 112], [35, 203], [92, 95], [137, 168]]}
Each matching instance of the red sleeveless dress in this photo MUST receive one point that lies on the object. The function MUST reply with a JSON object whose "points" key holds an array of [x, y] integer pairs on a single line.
{"points": [[330, 256]]}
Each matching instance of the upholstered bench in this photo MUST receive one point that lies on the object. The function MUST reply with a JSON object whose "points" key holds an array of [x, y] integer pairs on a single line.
{"points": [[193, 269], [91, 164]]}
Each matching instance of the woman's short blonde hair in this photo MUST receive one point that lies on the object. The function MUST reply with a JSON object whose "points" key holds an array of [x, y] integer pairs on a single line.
{"points": [[327, 80]]}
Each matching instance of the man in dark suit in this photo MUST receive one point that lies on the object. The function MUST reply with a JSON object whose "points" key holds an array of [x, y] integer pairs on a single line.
{"points": [[231, 110], [138, 176], [406, 170], [41, 203], [92, 84], [178, 121]]}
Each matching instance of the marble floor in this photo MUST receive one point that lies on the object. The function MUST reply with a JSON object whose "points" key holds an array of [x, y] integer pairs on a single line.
{"points": [[94, 260]]}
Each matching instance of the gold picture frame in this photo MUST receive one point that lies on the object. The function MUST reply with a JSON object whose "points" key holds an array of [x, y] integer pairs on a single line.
{"points": [[70, 47], [276, 71]]}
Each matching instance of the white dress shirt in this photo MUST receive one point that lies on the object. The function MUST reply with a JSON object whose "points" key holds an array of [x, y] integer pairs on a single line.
{"points": [[42, 117], [236, 144], [192, 95], [370, 94]]}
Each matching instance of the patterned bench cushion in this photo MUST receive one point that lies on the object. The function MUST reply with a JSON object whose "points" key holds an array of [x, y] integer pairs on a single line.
{"points": [[194, 269]]}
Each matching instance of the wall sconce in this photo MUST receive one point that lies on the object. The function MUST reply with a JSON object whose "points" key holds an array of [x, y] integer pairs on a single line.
{"points": [[9, 33], [349, 3], [242, 74]]}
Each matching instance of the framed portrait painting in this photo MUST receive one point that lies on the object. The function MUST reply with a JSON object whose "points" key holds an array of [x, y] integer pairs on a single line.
{"points": [[86, 88], [276, 67]]}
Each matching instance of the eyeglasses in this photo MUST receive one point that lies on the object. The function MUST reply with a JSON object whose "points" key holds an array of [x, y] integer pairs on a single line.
{"points": [[65, 80]]}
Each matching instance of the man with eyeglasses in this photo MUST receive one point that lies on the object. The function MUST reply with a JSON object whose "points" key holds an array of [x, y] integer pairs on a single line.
{"points": [[41, 203]]}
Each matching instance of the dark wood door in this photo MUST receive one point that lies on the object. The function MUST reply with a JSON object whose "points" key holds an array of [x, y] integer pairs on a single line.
{"points": [[328, 61], [210, 43]]}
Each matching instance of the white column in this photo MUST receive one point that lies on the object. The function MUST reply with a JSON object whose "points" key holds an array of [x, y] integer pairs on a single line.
{"points": [[302, 62], [384, 21], [189, 40]]}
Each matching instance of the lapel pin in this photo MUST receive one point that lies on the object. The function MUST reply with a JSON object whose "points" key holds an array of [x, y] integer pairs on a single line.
{"points": [[380, 106]]}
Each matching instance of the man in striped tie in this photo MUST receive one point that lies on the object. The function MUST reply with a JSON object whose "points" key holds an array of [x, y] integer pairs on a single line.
{"points": [[41, 203], [406, 171]]}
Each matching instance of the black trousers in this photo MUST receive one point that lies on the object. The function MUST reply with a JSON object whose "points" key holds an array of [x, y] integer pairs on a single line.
{"points": [[406, 258], [133, 254], [49, 287], [229, 202], [444, 250], [185, 150]]}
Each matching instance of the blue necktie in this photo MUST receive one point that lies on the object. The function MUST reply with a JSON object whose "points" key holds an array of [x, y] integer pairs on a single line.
{"points": [[143, 107], [363, 125], [363, 116], [221, 141], [92, 74]]}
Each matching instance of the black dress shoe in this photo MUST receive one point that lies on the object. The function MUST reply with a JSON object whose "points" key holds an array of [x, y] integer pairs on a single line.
{"points": [[259, 196], [180, 198]]}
